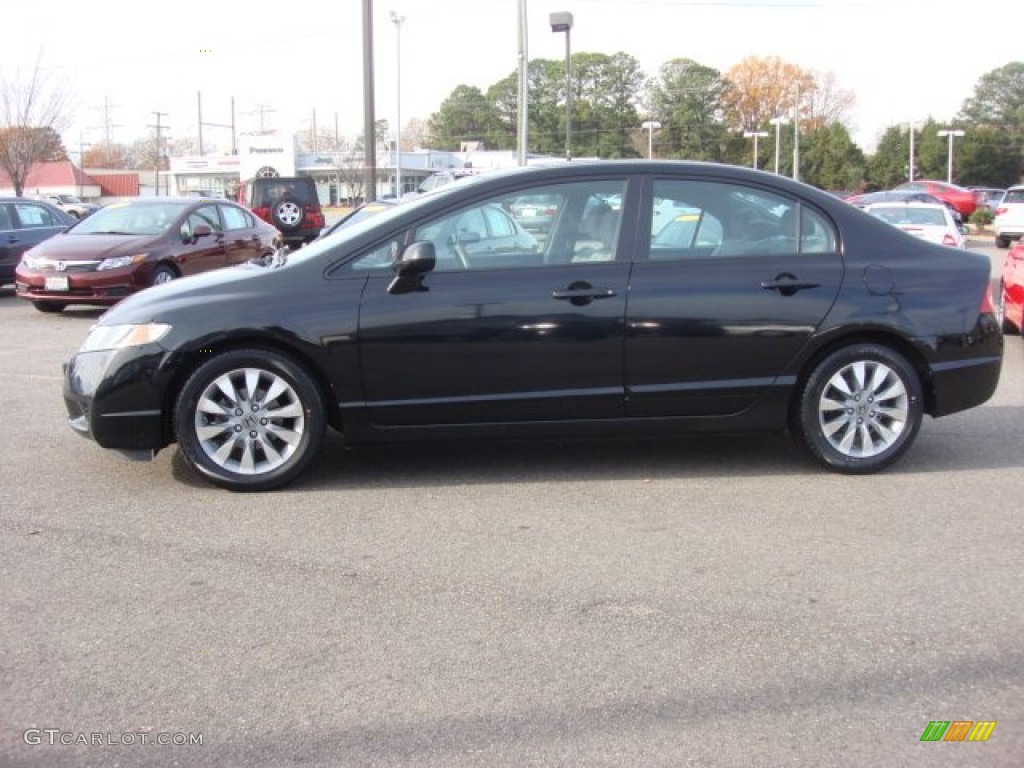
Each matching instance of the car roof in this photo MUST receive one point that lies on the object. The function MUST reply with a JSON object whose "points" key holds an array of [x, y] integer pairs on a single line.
{"points": [[183, 199], [909, 204]]}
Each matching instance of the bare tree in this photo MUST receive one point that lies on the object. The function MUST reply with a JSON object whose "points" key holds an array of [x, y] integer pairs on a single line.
{"points": [[31, 110]]}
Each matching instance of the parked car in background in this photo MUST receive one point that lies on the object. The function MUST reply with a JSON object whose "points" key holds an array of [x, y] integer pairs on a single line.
{"points": [[289, 203], [26, 223], [364, 211], [988, 197], [70, 204], [787, 308], [902, 196], [1011, 291], [928, 221], [961, 198], [127, 246], [1008, 217], [535, 213]]}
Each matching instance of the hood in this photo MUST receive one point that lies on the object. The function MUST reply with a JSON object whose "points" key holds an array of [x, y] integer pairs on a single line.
{"points": [[161, 302], [71, 247]]}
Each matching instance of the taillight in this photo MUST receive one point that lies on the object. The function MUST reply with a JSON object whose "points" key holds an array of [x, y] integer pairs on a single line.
{"points": [[314, 217], [263, 213], [1000, 211], [987, 304], [948, 239]]}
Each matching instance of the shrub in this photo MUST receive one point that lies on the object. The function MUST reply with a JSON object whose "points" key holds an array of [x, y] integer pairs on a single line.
{"points": [[981, 217]]}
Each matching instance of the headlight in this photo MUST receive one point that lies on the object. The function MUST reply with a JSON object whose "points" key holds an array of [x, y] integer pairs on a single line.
{"points": [[103, 337], [120, 261]]}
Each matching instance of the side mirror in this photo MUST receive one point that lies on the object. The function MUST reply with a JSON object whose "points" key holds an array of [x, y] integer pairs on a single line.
{"points": [[417, 259]]}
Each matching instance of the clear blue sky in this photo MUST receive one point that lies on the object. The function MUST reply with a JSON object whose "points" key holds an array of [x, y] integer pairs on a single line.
{"points": [[903, 59]]}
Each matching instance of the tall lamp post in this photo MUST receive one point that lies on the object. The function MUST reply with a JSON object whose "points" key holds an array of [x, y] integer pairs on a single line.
{"points": [[397, 20], [910, 161], [562, 22], [778, 122], [949, 134], [650, 126], [755, 135]]}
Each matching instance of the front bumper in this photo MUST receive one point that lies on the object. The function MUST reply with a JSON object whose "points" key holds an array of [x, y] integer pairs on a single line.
{"points": [[115, 398]]}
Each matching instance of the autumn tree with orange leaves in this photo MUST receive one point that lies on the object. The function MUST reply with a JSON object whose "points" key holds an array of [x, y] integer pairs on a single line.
{"points": [[759, 89]]}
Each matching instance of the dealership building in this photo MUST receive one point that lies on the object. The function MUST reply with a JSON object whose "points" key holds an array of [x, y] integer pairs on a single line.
{"points": [[340, 176]]}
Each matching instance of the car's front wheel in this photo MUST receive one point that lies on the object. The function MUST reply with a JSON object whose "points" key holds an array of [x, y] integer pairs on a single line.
{"points": [[250, 419], [859, 409]]}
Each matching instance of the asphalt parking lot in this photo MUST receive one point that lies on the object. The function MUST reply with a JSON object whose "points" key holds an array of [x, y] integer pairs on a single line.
{"points": [[709, 602]]}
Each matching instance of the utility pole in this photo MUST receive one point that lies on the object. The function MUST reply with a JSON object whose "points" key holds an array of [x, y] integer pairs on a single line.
{"points": [[158, 128], [369, 117], [524, 72], [108, 122]]}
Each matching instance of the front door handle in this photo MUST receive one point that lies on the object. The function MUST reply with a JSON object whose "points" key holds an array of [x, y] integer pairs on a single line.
{"points": [[787, 284], [581, 293]]}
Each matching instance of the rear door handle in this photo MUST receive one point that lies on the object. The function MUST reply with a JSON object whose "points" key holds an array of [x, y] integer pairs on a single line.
{"points": [[787, 284], [583, 293]]}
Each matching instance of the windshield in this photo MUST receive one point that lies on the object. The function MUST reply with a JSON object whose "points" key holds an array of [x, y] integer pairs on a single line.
{"points": [[932, 217], [131, 219], [383, 219]]}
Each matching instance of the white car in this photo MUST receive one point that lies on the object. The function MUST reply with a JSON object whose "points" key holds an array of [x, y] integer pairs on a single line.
{"points": [[1009, 217], [928, 221]]}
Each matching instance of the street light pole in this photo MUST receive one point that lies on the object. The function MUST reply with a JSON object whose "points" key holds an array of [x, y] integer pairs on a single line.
{"points": [[562, 22], [949, 134], [778, 122], [397, 20], [910, 164], [755, 135], [650, 126], [524, 93]]}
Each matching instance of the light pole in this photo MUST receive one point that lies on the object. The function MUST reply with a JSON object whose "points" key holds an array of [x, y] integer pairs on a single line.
{"points": [[755, 135], [562, 22], [650, 126], [949, 134], [523, 95], [778, 122], [397, 20], [910, 164]]}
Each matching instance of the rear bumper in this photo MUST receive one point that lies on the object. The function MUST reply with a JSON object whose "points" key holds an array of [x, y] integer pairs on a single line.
{"points": [[966, 382]]}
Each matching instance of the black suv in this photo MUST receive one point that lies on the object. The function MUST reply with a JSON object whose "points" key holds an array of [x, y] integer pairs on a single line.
{"points": [[290, 203]]}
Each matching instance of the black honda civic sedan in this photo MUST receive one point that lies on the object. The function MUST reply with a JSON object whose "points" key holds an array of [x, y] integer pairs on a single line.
{"points": [[665, 298]]}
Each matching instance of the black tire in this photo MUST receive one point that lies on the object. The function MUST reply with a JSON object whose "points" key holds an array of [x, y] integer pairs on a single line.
{"points": [[163, 274], [49, 307], [244, 443], [859, 409], [1002, 242], [287, 214]]}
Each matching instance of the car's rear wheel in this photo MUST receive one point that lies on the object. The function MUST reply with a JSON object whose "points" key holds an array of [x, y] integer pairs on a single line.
{"points": [[859, 409], [287, 214], [1002, 242], [49, 307], [250, 419]]}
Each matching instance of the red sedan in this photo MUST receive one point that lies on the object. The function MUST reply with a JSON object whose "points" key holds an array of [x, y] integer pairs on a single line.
{"points": [[964, 200], [125, 247], [1011, 290]]}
